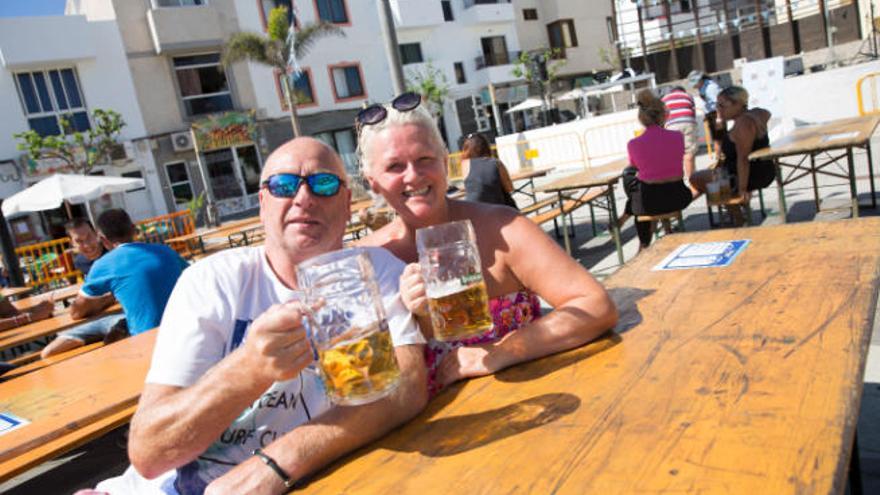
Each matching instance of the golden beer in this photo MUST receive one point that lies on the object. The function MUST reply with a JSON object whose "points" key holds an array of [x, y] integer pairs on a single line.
{"points": [[459, 311], [359, 367]]}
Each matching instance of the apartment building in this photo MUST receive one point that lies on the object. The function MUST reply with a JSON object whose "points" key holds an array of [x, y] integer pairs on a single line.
{"points": [[237, 114], [68, 65]]}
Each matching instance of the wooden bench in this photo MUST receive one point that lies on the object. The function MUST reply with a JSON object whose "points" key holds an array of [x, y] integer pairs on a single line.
{"points": [[734, 202], [567, 208], [538, 206], [665, 219], [50, 326], [32, 362]]}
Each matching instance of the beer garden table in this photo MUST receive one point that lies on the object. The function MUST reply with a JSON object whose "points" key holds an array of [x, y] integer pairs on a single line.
{"points": [[742, 379], [49, 326], [808, 143], [72, 402], [604, 176], [529, 177], [15, 292]]}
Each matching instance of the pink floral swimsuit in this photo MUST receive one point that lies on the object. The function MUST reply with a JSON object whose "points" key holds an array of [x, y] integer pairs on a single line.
{"points": [[509, 312]]}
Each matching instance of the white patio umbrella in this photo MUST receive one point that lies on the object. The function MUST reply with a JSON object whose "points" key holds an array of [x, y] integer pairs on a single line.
{"points": [[526, 104], [52, 192]]}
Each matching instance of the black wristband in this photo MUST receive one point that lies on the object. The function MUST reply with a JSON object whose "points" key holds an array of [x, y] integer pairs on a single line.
{"points": [[288, 483]]}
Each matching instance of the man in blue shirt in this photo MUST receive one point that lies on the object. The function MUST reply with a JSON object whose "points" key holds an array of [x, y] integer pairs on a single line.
{"points": [[138, 275]]}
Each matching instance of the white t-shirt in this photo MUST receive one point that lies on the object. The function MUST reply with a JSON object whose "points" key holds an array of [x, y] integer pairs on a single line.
{"points": [[207, 317]]}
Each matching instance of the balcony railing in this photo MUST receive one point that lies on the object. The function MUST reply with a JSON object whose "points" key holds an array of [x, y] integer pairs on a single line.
{"points": [[493, 59], [470, 3]]}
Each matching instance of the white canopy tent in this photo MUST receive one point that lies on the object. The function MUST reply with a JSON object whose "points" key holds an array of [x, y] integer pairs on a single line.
{"points": [[527, 104], [52, 192]]}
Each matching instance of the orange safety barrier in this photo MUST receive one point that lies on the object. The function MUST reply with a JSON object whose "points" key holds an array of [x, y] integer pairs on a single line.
{"points": [[48, 263], [158, 229]]}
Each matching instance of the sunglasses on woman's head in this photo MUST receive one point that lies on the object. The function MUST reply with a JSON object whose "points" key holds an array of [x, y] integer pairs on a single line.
{"points": [[376, 113], [287, 185]]}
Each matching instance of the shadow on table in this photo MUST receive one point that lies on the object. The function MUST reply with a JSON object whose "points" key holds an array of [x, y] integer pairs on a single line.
{"points": [[626, 299], [456, 434]]}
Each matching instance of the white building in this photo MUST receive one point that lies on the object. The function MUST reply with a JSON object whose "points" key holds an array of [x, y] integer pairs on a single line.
{"points": [[52, 66]]}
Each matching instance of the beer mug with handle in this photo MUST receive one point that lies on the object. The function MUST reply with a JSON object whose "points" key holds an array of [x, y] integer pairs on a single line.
{"points": [[457, 297], [349, 330]]}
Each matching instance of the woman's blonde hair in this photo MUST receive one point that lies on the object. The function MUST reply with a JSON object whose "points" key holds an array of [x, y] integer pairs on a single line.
{"points": [[652, 111], [736, 94], [418, 116]]}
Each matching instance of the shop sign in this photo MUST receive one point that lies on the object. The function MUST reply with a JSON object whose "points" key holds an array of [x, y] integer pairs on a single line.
{"points": [[225, 130]]}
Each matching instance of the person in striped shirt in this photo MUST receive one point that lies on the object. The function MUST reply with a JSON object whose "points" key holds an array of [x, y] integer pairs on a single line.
{"points": [[681, 116]]}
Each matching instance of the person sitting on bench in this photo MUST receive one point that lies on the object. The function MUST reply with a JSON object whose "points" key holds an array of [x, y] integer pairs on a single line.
{"points": [[654, 180]]}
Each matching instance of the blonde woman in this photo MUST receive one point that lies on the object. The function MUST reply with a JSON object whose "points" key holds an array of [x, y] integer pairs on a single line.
{"points": [[404, 159], [749, 133]]}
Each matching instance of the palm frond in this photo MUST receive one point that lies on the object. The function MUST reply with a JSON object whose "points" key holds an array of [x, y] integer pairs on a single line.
{"points": [[248, 46], [308, 34]]}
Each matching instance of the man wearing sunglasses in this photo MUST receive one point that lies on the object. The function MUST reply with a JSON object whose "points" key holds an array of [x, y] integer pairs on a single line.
{"points": [[232, 402]]}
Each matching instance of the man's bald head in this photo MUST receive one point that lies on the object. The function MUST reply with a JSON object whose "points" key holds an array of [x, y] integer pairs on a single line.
{"points": [[293, 155]]}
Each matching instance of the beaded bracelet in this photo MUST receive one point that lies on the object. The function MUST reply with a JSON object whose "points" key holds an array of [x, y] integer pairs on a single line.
{"points": [[288, 482]]}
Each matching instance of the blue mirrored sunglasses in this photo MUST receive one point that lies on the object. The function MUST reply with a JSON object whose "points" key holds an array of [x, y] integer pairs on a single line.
{"points": [[287, 185]]}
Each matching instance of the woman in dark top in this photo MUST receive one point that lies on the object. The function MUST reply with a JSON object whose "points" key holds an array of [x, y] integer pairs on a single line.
{"points": [[749, 133], [486, 178]]}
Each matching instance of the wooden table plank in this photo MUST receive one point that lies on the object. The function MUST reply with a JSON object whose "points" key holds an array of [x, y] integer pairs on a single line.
{"points": [[14, 292], [745, 379], [816, 138], [61, 399], [591, 177], [50, 450], [57, 295], [49, 326], [530, 174]]}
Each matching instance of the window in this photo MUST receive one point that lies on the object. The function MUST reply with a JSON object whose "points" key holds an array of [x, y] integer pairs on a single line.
{"points": [[459, 73], [303, 92], [268, 5], [530, 14], [178, 178], [49, 95], [562, 34], [203, 86], [332, 11], [347, 81], [447, 10], [411, 53], [684, 6], [177, 3]]}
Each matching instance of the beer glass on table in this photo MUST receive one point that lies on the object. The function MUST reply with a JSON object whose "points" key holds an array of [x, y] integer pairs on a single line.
{"points": [[348, 326], [457, 297]]}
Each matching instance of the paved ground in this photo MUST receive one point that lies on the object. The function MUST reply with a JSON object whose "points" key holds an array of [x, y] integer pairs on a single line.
{"points": [[106, 456]]}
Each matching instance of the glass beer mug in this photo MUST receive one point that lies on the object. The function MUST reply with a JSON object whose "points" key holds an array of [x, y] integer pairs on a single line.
{"points": [[349, 330], [457, 297]]}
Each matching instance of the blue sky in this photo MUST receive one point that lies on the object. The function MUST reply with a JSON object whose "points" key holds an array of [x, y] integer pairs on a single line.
{"points": [[16, 8]]}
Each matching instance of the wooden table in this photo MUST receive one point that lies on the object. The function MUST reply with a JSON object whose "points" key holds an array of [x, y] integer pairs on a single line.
{"points": [[745, 379], [15, 292], [72, 402], [604, 176], [50, 326], [529, 177], [222, 231], [62, 294], [808, 143]]}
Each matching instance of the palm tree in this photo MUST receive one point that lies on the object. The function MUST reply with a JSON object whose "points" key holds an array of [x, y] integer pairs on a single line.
{"points": [[274, 50]]}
